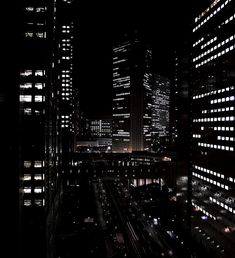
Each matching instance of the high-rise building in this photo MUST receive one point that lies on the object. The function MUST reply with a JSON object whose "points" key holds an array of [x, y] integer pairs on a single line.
{"points": [[62, 112], [174, 102], [179, 115], [65, 31], [179, 127], [212, 128], [101, 132], [84, 126], [41, 70], [132, 94], [76, 118], [34, 81], [160, 106], [101, 127], [66, 78], [96, 136]]}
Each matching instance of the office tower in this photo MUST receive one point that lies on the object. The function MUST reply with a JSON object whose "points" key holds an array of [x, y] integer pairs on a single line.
{"points": [[76, 118], [41, 70], [174, 93], [65, 40], [84, 126], [212, 128], [9, 131], [180, 102], [60, 114], [132, 94], [33, 81], [179, 127], [101, 132], [33, 84], [160, 108], [101, 127]]}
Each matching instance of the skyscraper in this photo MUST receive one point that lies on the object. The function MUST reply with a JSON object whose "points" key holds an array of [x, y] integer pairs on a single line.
{"points": [[212, 123], [132, 94], [179, 125], [33, 83], [64, 34], [40, 68], [101, 131], [101, 127], [61, 113], [160, 106]]}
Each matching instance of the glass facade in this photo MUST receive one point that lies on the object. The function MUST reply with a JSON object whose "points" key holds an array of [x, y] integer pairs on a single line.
{"points": [[101, 127], [66, 74], [212, 124], [132, 77], [121, 97], [44, 85], [161, 105], [33, 79], [33, 84]]}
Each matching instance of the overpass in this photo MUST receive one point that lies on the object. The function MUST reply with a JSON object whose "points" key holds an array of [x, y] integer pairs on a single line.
{"points": [[125, 166]]}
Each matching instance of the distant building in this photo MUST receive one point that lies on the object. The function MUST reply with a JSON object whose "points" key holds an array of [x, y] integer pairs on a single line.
{"points": [[84, 126], [160, 107], [76, 118], [101, 127], [174, 99], [97, 137], [179, 110], [68, 94], [132, 95], [101, 131], [212, 114]]}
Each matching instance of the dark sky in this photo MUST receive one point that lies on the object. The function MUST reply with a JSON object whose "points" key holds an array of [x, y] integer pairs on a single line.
{"points": [[165, 24]]}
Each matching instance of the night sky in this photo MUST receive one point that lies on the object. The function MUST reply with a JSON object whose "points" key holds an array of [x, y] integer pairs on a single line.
{"points": [[164, 23]]}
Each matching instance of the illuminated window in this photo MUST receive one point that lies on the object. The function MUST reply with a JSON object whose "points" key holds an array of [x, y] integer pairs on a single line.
{"points": [[25, 98], [27, 164], [27, 111], [28, 34], [27, 177], [37, 112], [38, 189], [38, 72], [39, 86], [37, 164], [26, 86], [27, 202], [27, 189], [38, 202], [38, 177], [26, 73], [38, 98], [40, 24], [40, 9], [29, 9], [41, 34]]}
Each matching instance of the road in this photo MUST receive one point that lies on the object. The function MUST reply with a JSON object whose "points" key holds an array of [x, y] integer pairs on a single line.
{"points": [[144, 240]]}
